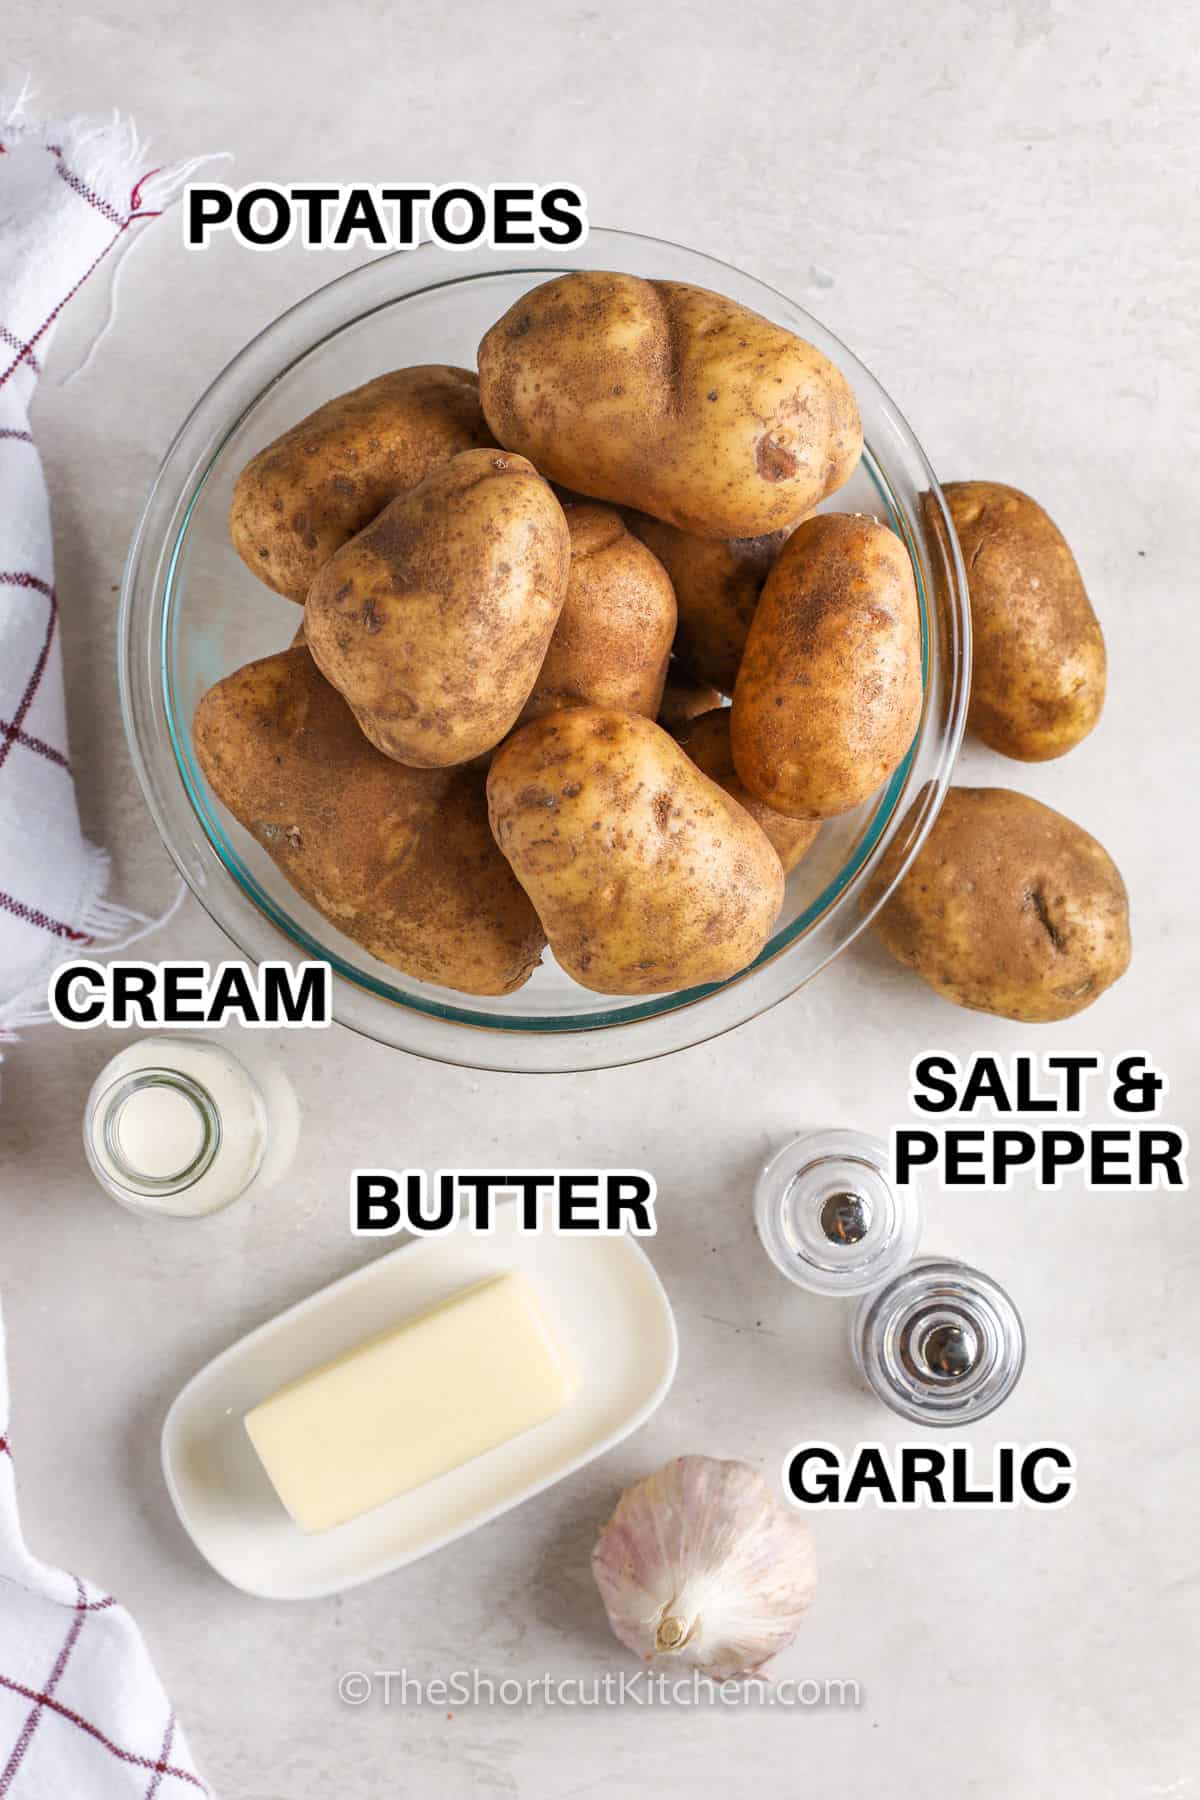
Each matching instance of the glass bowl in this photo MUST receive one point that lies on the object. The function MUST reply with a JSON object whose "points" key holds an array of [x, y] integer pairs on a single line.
{"points": [[191, 612]]}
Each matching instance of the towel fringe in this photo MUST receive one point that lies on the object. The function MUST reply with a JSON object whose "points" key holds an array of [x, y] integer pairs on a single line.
{"points": [[110, 929], [158, 191], [110, 157]]}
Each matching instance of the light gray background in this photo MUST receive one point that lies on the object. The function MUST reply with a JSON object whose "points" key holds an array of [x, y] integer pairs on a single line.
{"points": [[995, 207]]}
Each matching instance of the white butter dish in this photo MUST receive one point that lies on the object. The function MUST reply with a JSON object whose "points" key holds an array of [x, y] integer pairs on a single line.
{"points": [[602, 1297]]}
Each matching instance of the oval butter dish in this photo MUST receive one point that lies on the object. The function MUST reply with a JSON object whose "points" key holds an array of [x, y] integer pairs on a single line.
{"points": [[605, 1304]]}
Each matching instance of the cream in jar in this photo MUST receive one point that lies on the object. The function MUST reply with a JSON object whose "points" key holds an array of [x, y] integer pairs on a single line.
{"points": [[181, 1127]]}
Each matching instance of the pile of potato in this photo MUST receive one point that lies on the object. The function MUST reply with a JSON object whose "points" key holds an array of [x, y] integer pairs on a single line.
{"points": [[467, 752], [1010, 907]]}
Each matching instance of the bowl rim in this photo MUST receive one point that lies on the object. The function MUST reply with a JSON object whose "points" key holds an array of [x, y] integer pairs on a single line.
{"points": [[612, 1036]]}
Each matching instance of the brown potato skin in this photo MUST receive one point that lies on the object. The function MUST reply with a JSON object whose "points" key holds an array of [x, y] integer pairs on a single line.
{"points": [[1039, 667], [434, 621], [829, 695], [717, 584], [670, 399], [682, 702], [300, 499], [613, 639], [401, 860], [706, 741], [1010, 908], [646, 876]]}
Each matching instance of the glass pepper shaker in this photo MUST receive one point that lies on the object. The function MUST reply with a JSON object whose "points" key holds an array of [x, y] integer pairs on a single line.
{"points": [[830, 1214], [940, 1343]]}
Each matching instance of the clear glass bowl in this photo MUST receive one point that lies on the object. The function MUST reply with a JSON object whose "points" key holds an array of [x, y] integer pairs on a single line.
{"points": [[191, 612]]}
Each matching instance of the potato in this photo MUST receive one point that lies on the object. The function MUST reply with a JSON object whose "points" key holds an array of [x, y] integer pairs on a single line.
{"points": [[717, 583], [664, 397], [828, 697], [434, 622], [401, 860], [682, 702], [613, 638], [1009, 908], [706, 741], [646, 876], [1039, 666], [302, 497]]}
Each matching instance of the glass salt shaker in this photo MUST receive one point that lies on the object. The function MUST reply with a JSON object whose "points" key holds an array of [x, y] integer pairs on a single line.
{"points": [[831, 1215], [940, 1343], [181, 1127]]}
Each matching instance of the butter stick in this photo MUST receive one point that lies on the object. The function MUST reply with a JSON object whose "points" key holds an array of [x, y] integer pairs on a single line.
{"points": [[412, 1403]]}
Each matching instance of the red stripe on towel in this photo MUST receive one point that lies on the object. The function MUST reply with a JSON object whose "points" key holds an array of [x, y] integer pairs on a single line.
{"points": [[25, 580], [80, 187], [15, 343], [28, 742], [26, 352], [160, 1768], [43, 1700], [31, 915], [22, 578], [125, 1756], [135, 198]]}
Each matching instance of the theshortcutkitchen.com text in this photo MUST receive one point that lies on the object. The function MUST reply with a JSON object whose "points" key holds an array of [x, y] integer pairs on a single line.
{"points": [[634, 1687]]}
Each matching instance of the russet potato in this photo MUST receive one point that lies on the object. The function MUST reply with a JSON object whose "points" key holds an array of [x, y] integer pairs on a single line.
{"points": [[669, 399], [682, 701], [1009, 908], [646, 876], [613, 639], [304, 495], [1038, 660], [401, 860], [434, 621], [706, 741], [717, 584], [829, 693]]}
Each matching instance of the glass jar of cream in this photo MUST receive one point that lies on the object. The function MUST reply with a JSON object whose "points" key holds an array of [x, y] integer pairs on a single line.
{"points": [[181, 1127]]}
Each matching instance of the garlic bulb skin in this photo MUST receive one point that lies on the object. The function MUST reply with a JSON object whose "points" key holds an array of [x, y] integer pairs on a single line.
{"points": [[701, 1562]]}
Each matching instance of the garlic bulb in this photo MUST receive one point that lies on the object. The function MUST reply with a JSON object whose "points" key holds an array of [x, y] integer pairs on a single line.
{"points": [[703, 1563]]}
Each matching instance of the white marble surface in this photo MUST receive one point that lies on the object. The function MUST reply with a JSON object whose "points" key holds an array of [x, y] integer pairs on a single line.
{"points": [[996, 208]]}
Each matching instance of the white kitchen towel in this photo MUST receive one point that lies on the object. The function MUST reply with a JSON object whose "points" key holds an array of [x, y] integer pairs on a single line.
{"points": [[73, 195], [82, 1713]]}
